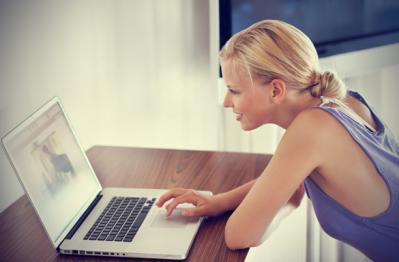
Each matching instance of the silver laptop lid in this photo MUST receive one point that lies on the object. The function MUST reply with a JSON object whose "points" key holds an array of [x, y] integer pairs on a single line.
{"points": [[52, 168]]}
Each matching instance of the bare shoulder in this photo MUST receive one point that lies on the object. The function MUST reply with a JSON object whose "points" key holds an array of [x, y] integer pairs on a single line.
{"points": [[316, 124], [308, 138]]}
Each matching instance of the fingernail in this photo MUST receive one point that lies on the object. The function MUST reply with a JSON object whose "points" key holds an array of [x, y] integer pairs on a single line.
{"points": [[184, 213]]}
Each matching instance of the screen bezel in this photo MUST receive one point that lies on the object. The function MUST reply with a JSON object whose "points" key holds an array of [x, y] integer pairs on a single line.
{"points": [[20, 127]]}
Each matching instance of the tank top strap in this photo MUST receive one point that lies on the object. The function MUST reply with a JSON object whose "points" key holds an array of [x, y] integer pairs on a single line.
{"points": [[347, 110]]}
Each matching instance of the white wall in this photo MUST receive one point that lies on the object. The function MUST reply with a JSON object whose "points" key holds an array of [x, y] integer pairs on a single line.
{"points": [[129, 72]]}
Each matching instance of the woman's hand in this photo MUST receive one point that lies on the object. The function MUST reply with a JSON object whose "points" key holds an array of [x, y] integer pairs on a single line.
{"points": [[205, 205]]}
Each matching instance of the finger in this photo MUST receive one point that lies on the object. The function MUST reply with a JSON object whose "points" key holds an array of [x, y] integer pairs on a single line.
{"points": [[174, 203], [173, 193], [186, 198], [181, 200], [195, 212]]}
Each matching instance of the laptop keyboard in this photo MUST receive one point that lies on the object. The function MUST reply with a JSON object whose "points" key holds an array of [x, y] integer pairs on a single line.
{"points": [[120, 220]]}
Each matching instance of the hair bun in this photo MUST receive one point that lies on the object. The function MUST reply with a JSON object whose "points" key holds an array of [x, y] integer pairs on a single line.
{"points": [[329, 86], [316, 90], [326, 78]]}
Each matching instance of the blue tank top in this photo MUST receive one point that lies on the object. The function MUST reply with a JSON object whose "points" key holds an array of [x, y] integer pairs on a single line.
{"points": [[377, 237]]}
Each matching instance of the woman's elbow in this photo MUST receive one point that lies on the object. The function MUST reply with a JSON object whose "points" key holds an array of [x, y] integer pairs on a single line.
{"points": [[234, 245], [235, 242]]}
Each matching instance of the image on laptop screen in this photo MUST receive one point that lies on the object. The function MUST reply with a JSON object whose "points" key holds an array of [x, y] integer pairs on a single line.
{"points": [[52, 169]]}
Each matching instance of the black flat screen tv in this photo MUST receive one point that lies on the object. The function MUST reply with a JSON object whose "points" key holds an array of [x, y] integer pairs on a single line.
{"points": [[334, 26]]}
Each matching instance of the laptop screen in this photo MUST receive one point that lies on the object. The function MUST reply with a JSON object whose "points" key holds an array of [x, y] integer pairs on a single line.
{"points": [[52, 169]]}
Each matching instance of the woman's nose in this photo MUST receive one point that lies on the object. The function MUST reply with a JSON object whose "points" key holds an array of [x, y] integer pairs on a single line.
{"points": [[227, 101]]}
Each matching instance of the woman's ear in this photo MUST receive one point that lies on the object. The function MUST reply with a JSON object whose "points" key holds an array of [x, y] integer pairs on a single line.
{"points": [[278, 91]]}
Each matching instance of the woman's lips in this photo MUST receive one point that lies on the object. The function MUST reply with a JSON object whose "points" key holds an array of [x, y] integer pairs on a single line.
{"points": [[238, 117]]}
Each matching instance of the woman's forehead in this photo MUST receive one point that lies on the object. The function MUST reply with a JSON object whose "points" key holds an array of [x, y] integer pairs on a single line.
{"points": [[235, 73]]}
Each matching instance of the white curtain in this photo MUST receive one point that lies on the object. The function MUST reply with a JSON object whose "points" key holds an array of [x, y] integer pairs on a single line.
{"points": [[129, 72]]}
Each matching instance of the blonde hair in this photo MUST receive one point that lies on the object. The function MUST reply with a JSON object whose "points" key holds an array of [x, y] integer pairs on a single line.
{"points": [[272, 49]]}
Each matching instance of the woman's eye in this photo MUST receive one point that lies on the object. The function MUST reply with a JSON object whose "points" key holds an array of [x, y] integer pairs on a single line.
{"points": [[233, 91]]}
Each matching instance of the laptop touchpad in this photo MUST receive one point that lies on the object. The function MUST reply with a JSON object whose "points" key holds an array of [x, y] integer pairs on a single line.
{"points": [[174, 220]]}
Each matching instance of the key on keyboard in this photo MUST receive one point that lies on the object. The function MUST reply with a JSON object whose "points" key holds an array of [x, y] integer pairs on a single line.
{"points": [[120, 220]]}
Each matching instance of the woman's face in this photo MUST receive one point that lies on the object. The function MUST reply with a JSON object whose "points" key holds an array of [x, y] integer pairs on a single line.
{"points": [[250, 101]]}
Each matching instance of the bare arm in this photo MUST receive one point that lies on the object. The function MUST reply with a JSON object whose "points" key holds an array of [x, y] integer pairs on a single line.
{"points": [[231, 199], [297, 155], [215, 205], [205, 205]]}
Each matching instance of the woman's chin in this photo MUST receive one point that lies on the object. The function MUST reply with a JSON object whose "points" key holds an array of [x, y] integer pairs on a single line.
{"points": [[248, 127]]}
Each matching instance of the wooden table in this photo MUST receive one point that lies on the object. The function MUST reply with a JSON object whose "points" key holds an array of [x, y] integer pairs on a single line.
{"points": [[22, 237]]}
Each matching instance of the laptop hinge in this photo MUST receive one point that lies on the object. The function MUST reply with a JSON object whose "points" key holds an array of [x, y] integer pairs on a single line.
{"points": [[83, 217]]}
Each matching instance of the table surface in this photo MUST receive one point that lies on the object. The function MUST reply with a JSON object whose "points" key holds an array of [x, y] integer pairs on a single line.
{"points": [[23, 238]]}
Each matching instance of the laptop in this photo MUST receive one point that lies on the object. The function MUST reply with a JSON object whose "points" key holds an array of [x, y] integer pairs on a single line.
{"points": [[80, 216]]}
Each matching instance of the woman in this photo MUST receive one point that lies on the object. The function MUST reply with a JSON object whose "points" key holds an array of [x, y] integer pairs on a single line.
{"points": [[272, 73]]}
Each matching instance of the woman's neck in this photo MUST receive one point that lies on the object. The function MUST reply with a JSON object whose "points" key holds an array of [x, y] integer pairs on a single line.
{"points": [[294, 105]]}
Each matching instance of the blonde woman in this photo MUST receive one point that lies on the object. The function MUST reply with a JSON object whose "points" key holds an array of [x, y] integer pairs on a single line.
{"points": [[272, 74]]}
